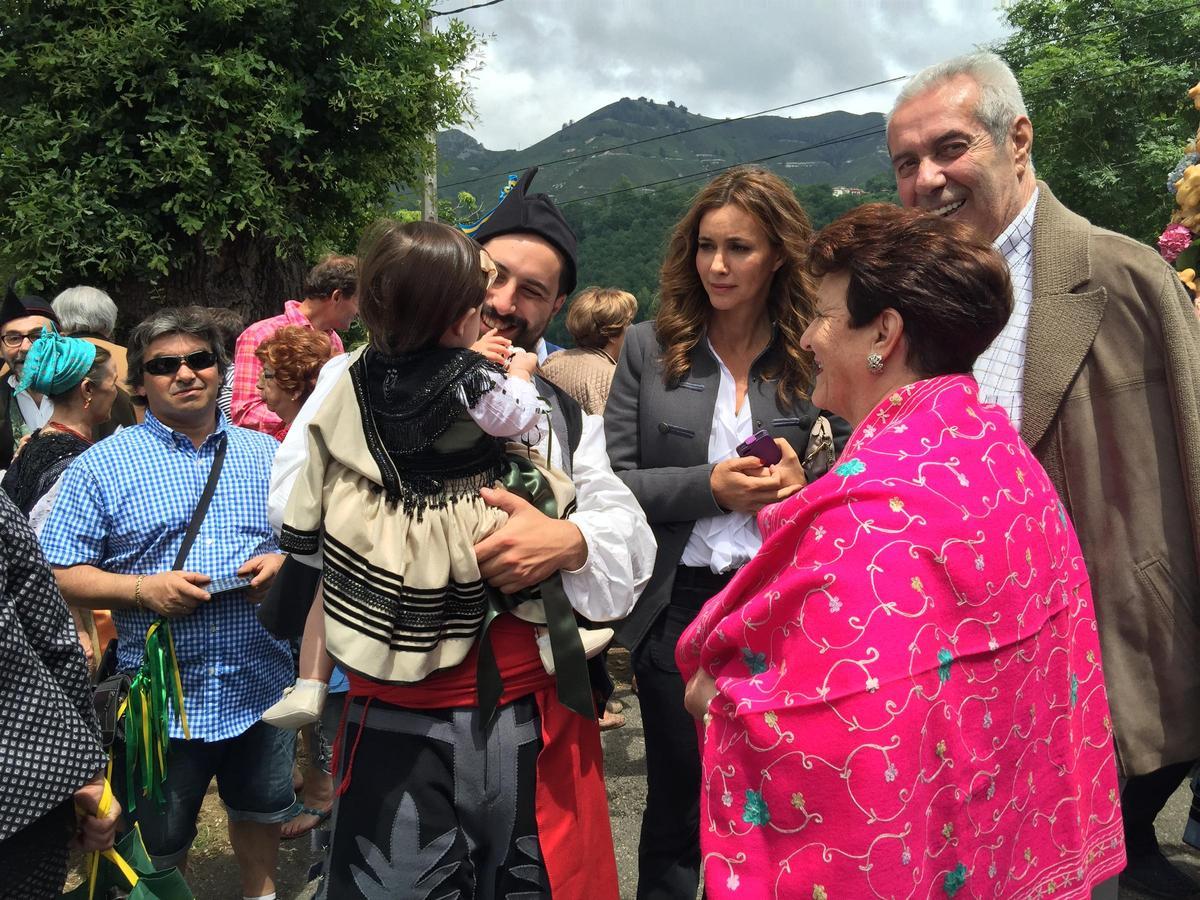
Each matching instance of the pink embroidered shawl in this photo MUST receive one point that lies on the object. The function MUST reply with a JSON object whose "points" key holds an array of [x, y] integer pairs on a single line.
{"points": [[910, 695]]}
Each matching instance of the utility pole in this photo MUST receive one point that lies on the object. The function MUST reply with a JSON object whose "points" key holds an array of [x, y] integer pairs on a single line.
{"points": [[429, 196]]}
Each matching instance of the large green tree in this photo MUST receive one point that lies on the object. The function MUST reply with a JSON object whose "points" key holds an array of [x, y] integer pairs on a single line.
{"points": [[203, 151], [1105, 82]]}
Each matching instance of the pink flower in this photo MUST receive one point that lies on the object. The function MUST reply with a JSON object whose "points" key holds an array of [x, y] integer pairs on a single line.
{"points": [[1174, 240]]}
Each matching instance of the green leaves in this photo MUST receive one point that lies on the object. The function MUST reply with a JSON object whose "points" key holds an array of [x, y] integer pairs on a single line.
{"points": [[132, 127], [1105, 82]]}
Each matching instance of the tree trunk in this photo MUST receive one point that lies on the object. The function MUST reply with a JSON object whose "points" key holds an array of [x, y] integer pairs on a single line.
{"points": [[245, 275]]}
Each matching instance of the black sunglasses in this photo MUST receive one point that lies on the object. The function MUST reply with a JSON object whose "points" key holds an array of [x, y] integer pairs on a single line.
{"points": [[169, 365]]}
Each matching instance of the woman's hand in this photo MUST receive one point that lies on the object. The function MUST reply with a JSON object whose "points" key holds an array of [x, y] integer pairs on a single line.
{"points": [[700, 690], [744, 485], [789, 470], [94, 831], [85, 639]]}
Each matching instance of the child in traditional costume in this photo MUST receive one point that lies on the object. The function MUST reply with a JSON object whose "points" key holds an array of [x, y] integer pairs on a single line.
{"points": [[390, 493]]}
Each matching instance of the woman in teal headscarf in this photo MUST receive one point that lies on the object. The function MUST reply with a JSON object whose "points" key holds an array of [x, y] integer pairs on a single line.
{"points": [[82, 381]]}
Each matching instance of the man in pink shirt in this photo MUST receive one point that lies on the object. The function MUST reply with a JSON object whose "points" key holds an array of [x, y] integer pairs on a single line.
{"points": [[329, 305]]}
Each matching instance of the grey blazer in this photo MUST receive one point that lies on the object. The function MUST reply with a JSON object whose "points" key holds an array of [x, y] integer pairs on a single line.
{"points": [[658, 444]]}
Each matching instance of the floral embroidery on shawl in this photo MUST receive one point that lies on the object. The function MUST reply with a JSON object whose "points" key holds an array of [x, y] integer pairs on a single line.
{"points": [[910, 695]]}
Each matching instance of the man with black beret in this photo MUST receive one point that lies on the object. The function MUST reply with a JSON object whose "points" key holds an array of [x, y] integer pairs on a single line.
{"points": [[515, 805], [21, 322], [534, 249], [22, 319]]}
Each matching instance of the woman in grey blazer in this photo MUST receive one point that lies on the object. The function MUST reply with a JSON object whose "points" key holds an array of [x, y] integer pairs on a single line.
{"points": [[721, 361]]}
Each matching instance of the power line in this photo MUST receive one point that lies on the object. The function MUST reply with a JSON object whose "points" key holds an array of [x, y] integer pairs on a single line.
{"points": [[861, 133], [579, 156], [1104, 76], [660, 137], [841, 139], [462, 9]]}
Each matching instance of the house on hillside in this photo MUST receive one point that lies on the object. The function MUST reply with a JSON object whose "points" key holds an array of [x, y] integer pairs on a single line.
{"points": [[841, 191]]}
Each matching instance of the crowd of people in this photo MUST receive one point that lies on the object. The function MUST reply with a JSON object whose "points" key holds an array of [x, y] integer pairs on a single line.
{"points": [[898, 521]]}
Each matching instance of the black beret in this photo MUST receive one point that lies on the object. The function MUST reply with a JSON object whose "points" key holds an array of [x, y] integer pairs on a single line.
{"points": [[15, 307], [524, 213]]}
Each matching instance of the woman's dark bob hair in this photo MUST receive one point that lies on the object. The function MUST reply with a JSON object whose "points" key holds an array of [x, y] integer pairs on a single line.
{"points": [[949, 286]]}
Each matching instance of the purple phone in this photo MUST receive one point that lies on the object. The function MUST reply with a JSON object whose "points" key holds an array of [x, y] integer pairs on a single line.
{"points": [[762, 445]]}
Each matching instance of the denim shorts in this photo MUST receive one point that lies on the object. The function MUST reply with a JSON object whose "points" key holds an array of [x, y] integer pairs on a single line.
{"points": [[254, 781]]}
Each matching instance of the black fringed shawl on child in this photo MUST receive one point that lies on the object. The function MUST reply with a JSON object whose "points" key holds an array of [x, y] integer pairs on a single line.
{"points": [[391, 446], [414, 400]]}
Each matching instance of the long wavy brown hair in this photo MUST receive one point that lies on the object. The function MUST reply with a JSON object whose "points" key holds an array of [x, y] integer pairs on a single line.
{"points": [[684, 307]]}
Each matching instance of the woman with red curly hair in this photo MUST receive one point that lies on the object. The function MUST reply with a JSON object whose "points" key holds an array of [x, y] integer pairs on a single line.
{"points": [[292, 358], [291, 361]]}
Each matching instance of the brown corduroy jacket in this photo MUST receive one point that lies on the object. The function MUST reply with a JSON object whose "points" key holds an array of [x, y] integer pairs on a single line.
{"points": [[1112, 410]]}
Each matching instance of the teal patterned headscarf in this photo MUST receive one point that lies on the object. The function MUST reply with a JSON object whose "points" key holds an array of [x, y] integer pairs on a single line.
{"points": [[55, 364]]}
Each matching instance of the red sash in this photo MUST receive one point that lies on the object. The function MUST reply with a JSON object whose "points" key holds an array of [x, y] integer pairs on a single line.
{"points": [[571, 804]]}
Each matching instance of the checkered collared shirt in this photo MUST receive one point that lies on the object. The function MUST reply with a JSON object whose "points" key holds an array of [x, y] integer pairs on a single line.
{"points": [[1000, 369], [124, 506], [248, 410]]}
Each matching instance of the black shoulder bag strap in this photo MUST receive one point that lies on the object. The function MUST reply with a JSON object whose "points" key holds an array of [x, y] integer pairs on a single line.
{"points": [[149, 680], [210, 488]]}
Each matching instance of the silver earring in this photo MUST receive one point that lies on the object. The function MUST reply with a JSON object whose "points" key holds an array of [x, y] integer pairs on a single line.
{"points": [[875, 363]]}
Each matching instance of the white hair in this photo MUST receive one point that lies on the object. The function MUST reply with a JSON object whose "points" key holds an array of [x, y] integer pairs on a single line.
{"points": [[85, 309], [1000, 100]]}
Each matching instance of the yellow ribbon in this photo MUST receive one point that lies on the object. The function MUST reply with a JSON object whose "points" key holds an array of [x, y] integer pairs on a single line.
{"points": [[178, 687], [103, 808]]}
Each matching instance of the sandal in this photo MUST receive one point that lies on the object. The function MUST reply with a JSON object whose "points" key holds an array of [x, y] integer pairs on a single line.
{"points": [[320, 815]]}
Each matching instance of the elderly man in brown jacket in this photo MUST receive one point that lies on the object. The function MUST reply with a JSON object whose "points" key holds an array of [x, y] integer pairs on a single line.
{"points": [[1099, 367]]}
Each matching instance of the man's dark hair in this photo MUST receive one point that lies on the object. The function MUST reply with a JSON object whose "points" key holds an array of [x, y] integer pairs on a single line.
{"points": [[950, 287], [195, 321], [231, 325], [332, 273]]}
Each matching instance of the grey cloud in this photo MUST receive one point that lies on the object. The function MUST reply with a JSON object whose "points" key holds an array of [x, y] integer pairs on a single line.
{"points": [[547, 61]]}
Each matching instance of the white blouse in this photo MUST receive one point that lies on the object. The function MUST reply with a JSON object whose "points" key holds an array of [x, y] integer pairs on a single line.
{"points": [[725, 542], [512, 409]]}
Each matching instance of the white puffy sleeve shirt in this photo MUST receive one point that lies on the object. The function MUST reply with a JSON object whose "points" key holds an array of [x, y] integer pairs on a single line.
{"points": [[620, 544]]}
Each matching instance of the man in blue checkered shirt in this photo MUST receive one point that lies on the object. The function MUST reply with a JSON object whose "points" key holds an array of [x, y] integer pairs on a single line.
{"points": [[119, 521]]}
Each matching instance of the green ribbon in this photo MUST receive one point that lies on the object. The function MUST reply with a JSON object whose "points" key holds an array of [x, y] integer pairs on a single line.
{"points": [[525, 480], [154, 694], [570, 664]]}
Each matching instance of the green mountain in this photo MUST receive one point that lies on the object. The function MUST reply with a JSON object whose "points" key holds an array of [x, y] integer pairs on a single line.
{"points": [[836, 148], [622, 236]]}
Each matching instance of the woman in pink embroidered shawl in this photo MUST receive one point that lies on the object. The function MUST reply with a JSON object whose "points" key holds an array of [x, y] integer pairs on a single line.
{"points": [[901, 693]]}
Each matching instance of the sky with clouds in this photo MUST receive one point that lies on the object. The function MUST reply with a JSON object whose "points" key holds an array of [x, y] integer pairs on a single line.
{"points": [[544, 62]]}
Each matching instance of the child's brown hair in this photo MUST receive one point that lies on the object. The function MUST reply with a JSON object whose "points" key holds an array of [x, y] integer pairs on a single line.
{"points": [[416, 279]]}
